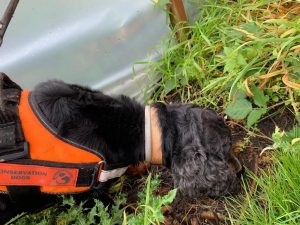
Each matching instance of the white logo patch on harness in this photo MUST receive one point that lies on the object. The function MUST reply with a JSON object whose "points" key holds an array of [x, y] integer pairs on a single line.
{"points": [[110, 174]]}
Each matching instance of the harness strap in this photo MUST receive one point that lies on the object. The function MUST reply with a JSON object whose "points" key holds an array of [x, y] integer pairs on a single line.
{"points": [[12, 141], [45, 174]]}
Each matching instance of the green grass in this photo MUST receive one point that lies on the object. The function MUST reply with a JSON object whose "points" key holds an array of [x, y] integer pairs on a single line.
{"points": [[276, 198], [148, 210], [233, 51], [237, 57]]}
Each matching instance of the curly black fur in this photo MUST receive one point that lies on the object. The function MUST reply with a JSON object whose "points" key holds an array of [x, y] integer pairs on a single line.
{"points": [[196, 141], [196, 145]]}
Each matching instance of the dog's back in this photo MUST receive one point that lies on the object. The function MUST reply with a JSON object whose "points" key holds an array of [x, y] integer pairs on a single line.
{"points": [[113, 126]]}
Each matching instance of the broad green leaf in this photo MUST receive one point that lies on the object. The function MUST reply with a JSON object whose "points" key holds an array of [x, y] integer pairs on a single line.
{"points": [[250, 52], [251, 27], [255, 115], [260, 99], [170, 85], [234, 34], [241, 60], [239, 94], [239, 109]]}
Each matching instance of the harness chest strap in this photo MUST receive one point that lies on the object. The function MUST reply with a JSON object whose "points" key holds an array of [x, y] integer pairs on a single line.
{"points": [[63, 178], [51, 179], [35, 175]]}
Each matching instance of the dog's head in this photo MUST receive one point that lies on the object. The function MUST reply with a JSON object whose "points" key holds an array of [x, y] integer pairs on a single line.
{"points": [[196, 145]]}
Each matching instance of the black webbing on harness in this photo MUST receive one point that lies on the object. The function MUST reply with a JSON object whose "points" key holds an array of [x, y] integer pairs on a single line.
{"points": [[12, 142]]}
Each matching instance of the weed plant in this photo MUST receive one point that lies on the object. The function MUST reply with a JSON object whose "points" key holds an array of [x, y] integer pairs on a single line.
{"points": [[242, 55], [276, 198], [148, 210]]}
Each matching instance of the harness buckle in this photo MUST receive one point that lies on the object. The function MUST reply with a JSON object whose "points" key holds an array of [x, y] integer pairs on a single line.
{"points": [[10, 153]]}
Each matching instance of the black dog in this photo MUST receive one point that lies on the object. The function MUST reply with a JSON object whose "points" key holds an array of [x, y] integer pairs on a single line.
{"points": [[195, 142]]}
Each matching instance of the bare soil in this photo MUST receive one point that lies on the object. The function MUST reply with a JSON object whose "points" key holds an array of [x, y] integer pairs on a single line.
{"points": [[206, 210]]}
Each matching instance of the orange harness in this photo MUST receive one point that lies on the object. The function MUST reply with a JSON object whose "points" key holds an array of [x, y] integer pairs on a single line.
{"points": [[54, 164], [57, 166]]}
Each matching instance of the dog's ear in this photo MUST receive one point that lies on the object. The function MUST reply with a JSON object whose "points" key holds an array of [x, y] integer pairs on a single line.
{"points": [[6, 82], [197, 173], [216, 137]]}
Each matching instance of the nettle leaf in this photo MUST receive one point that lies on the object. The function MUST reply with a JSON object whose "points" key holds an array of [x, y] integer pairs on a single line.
{"points": [[239, 109], [260, 99], [255, 115]]}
